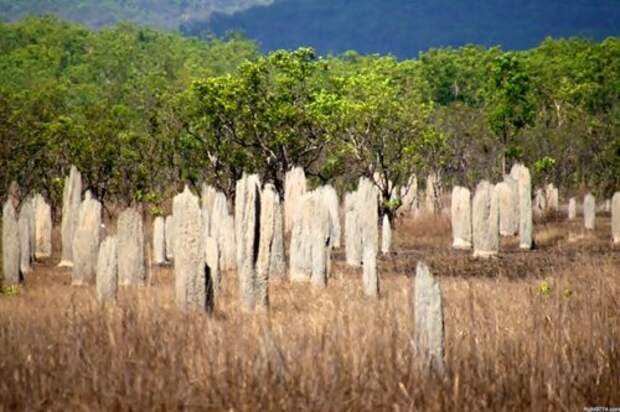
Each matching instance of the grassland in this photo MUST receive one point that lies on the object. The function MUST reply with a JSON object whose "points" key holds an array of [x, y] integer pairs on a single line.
{"points": [[535, 330]]}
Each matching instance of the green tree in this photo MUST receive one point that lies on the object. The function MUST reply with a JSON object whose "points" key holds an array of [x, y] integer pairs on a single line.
{"points": [[510, 106], [258, 119], [378, 125]]}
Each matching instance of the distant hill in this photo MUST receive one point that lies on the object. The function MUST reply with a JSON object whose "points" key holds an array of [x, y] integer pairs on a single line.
{"points": [[405, 27], [98, 13], [399, 27]]}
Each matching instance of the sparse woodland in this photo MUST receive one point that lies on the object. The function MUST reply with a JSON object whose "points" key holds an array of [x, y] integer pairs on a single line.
{"points": [[140, 112], [244, 298]]}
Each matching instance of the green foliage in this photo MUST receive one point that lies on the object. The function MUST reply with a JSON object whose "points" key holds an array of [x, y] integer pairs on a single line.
{"points": [[260, 118], [544, 165], [544, 289], [141, 112], [513, 152], [8, 291], [510, 103], [380, 126], [458, 75], [105, 101], [576, 84], [510, 106], [392, 205], [157, 211]]}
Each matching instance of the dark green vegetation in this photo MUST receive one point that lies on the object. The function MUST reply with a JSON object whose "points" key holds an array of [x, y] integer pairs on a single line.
{"points": [[140, 112], [406, 27], [107, 101], [98, 13], [399, 27]]}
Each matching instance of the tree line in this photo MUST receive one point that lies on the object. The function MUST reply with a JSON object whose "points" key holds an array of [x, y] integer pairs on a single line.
{"points": [[141, 112]]}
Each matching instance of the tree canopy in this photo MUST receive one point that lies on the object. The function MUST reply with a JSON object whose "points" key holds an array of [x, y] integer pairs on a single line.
{"points": [[141, 112]]}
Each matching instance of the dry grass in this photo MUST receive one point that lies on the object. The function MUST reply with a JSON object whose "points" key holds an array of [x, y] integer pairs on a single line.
{"points": [[508, 347]]}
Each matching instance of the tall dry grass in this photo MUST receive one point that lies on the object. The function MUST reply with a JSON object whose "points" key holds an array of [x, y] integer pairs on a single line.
{"points": [[509, 345]]}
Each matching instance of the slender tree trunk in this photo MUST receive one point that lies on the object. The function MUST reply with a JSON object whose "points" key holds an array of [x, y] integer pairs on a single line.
{"points": [[504, 148]]}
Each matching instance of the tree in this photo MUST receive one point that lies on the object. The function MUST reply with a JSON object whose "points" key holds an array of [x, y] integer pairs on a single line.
{"points": [[258, 120], [510, 107], [379, 127]]}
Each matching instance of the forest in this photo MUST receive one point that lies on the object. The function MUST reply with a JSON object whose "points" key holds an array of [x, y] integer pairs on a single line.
{"points": [[400, 27], [407, 27], [141, 112]]}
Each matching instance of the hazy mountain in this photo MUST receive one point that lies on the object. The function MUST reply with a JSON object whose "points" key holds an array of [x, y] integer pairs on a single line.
{"points": [[97, 13], [400, 27], [404, 27]]}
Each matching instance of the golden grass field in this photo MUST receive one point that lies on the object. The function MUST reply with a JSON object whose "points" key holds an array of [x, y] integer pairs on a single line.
{"points": [[510, 345]]}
